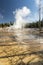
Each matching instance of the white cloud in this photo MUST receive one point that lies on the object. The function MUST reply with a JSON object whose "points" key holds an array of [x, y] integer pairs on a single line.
{"points": [[20, 16], [37, 4]]}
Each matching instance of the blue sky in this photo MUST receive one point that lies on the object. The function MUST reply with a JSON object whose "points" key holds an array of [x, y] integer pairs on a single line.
{"points": [[8, 6]]}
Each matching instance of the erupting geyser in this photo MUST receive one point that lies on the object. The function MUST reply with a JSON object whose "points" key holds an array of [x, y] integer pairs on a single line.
{"points": [[20, 21], [20, 17]]}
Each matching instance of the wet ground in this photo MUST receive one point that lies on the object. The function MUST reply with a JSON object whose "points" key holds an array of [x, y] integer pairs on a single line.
{"points": [[21, 47]]}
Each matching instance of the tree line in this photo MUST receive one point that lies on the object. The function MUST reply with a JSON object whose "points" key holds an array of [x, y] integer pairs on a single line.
{"points": [[28, 25], [6, 24], [34, 24]]}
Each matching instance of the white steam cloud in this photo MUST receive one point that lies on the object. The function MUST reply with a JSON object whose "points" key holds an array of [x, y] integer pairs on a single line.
{"points": [[20, 16], [37, 4]]}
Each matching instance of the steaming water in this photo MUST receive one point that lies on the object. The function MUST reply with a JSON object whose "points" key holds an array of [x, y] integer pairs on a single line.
{"points": [[21, 35], [26, 35]]}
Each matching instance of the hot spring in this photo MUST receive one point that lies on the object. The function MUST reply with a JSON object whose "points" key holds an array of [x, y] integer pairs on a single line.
{"points": [[21, 33]]}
